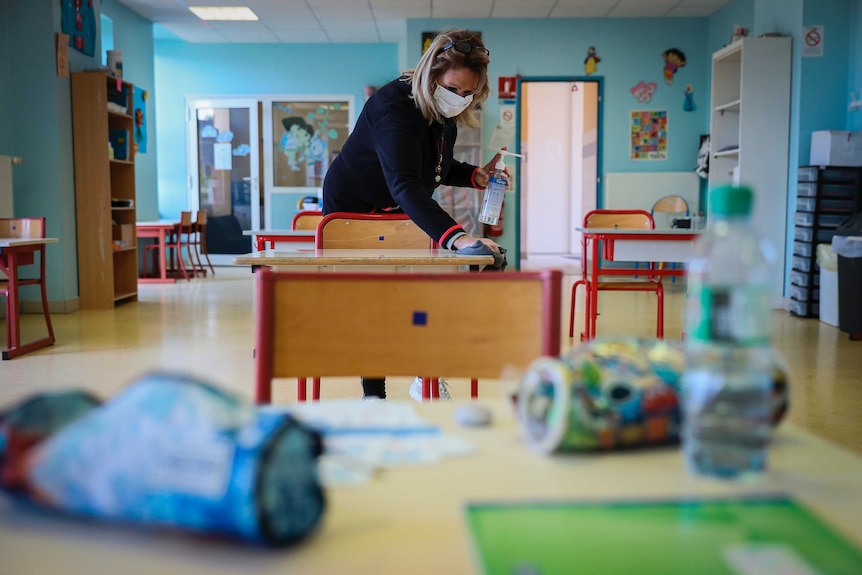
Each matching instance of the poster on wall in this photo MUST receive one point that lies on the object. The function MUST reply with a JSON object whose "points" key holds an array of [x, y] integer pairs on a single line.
{"points": [[648, 134], [79, 22], [306, 137], [139, 100]]}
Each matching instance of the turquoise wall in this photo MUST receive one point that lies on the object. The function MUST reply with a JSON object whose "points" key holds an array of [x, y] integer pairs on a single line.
{"points": [[825, 88], [854, 117], [38, 128], [630, 52], [133, 36], [250, 70]]}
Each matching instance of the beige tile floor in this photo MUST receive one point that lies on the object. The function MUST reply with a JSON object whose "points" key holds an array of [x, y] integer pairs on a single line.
{"points": [[205, 328]]}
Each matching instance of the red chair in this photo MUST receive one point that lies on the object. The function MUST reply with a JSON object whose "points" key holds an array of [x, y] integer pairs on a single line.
{"points": [[347, 230], [179, 238], [198, 241], [614, 219], [350, 230], [11, 260], [400, 324], [306, 220]]}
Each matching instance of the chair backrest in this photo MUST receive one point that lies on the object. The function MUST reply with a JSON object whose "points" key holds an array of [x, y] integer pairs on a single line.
{"points": [[201, 219], [306, 220], [184, 229], [347, 230], [619, 219], [398, 324], [22, 227], [671, 205], [668, 208]]}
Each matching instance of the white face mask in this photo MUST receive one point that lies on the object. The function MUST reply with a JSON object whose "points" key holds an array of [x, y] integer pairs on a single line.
{"points": [[449, 103]]}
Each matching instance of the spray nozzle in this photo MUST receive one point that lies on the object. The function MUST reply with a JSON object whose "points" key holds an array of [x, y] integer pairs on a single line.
{"points": [[501, 164]]}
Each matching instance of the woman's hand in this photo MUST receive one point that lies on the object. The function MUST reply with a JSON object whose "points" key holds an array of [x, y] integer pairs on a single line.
{"points": [[467, 241], [482, 175]]}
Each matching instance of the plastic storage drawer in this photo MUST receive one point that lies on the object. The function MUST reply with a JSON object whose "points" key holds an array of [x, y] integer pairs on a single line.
{"points": [[802, 249], [806, 204], [807, 174], [803, 219], [802, 264], [806, 189], [800, 293], [804, 279], [803, 308], [803, 234]]}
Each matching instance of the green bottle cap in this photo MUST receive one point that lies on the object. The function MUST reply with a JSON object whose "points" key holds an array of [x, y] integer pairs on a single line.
{"points": [[731, 200]]}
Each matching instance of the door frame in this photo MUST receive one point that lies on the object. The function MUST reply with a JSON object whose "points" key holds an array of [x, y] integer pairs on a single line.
{"points": [[599, 80]]}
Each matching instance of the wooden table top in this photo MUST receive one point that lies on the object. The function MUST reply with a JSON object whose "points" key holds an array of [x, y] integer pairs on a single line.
{"points": [[411, 519], [8, 242]]}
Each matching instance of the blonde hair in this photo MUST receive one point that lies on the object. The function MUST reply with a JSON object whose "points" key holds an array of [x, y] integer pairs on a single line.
{"points": [[435, 62]]}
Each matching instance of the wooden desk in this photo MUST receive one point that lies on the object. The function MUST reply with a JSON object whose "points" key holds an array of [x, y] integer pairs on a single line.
{"points": [[673, 245], [375, 258], [261, 237], [160, 230], [16, 252], [412, 519]]}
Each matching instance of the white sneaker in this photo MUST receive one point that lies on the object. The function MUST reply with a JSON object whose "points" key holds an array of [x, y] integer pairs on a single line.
{"points": [[416, 389]]}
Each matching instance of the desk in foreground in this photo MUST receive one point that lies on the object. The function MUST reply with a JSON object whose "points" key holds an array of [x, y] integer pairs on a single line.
{"points": [[417, 257], [413, 519]]}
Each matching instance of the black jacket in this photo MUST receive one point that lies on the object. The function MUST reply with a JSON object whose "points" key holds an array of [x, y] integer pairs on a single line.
{"points": [[390, 159]]}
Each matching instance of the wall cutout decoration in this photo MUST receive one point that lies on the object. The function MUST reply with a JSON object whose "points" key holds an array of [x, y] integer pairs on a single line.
{"points": [[674, 59], [643, 91], [591, 61]]}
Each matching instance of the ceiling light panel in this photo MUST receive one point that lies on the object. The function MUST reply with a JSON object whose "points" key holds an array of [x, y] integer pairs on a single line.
{"points": [[229, 13]]}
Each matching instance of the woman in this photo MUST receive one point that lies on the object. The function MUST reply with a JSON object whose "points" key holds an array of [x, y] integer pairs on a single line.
{"points": [[401, 148]]}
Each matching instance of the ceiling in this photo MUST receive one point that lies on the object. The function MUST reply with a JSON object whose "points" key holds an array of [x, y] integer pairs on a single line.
{"points": [[364, 21]]}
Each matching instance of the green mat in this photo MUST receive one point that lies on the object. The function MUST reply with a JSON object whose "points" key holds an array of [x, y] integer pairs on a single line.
{"points": [[762, 536]]}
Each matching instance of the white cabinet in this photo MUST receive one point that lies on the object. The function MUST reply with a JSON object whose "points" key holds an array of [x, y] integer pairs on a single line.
{"points": [[750, 131]]}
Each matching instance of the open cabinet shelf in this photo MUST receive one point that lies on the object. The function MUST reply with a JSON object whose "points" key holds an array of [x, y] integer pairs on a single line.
{"points": [[106, 276]]}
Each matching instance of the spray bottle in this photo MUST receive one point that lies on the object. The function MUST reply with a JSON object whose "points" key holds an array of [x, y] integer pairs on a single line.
{"points": [[495, 192]]}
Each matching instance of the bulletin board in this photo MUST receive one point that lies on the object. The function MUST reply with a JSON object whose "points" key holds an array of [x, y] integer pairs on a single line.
{"points": [[648, 134]]}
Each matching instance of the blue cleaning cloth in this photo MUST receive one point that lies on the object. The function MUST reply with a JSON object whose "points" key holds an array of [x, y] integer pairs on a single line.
{"points": [[480, 249]]}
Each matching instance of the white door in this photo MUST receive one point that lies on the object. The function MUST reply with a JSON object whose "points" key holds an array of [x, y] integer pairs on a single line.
{"points": [[559, 135], [224, 169]]}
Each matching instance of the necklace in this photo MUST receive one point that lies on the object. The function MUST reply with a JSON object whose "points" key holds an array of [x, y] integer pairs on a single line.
{"points": [[439, 161]]}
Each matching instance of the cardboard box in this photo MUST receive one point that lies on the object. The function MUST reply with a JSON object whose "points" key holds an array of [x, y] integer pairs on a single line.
{"points": [[836, 148], [125, 234]]}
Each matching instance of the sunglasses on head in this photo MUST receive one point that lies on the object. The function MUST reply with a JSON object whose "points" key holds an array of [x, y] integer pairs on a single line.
{"points": [[464, 48]]}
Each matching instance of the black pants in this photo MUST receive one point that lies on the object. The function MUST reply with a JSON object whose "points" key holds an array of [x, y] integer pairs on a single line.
{"points": [[374, 387]]}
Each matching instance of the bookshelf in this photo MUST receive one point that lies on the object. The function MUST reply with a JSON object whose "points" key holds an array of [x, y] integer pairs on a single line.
{"points": [[102, 111]]}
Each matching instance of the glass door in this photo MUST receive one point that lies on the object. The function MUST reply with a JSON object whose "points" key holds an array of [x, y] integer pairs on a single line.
{"points": [[224, 172]]}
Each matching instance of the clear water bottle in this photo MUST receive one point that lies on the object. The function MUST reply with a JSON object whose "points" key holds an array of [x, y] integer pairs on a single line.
{"points": [[727, 381]]}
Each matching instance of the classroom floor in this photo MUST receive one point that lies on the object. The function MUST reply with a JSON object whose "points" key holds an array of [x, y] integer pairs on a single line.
{"points": [[205, 328]]}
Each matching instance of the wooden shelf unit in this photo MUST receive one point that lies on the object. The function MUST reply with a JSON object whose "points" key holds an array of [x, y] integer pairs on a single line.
{"points": [[106, 276]]}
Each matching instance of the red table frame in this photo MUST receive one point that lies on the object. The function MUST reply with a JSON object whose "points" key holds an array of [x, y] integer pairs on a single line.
{"points": [[21, 252], [606, 237], [262, 237], [159, 230]]}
